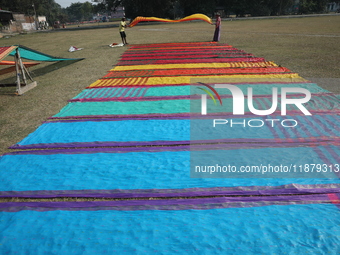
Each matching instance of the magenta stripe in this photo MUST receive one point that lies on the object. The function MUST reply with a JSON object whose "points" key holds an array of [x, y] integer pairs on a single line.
{"points": [[195, 84], [187, 192], [235, 142], [190, 56], [179, 61], [170, 116], [257, 98], [168, 204], [158, 148]]}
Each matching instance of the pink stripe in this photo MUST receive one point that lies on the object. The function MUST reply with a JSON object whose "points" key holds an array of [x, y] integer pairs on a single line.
{"points": [[334, 198]]}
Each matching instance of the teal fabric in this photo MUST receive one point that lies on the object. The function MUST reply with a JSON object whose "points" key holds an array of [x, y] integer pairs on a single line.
{"points": [[30, 54], [166, 91]]}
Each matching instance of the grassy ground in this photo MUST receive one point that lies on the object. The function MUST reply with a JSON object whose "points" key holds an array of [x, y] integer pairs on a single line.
{"points": [[309, 46]]}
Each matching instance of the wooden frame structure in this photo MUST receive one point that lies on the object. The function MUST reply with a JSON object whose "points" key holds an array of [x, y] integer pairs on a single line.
{"points": [[24, 81], [21, 76]]}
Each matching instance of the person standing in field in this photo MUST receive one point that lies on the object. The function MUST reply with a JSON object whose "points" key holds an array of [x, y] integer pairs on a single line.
{"points": [[122, 26], [217, 28]]}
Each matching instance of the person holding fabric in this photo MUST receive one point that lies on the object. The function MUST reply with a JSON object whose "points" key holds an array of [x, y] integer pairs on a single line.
{"points": [[217, 28], [122, 26]]}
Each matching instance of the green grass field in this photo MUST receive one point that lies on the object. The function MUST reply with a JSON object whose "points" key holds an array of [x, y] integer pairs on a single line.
{"points": [[308, 46]]}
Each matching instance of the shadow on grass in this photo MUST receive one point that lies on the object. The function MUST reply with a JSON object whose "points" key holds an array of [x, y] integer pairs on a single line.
{"points": [[6, 85]]}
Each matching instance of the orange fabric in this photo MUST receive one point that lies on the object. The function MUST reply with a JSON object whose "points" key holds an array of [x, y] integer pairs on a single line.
{"points": [[197, 16]]}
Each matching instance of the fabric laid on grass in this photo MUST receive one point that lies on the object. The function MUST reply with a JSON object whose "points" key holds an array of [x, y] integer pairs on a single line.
{"points": [[195, 65], [138, 173], [276, 229], [176, 204], [31, 54], [180, 56], [203, 71], [227, 51], [170, 92], [186, 80], [186, 61], [137, 132], [172, 44], [177, 108], [187, 51], [111, 93], [180, 47]]}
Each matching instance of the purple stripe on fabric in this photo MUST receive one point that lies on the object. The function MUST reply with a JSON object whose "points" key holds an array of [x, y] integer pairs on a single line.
{"points": [[321, 102], [157, 98], [331, 122], [125, 92], [303, 127], [265, 103], [235, 142], [284, 131], [311, 124], [144, 91], [335, 199], [212, 84], [257, 103], [297, 134], [100, 93], [107, 93], [178, 115], [158, 148], [168, 204], [323, 126], [188, 192], [273, 130], [321, 155], [136, 92]]}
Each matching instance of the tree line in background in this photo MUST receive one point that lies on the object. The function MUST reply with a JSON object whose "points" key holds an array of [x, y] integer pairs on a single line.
{"points": [[163, 8]]}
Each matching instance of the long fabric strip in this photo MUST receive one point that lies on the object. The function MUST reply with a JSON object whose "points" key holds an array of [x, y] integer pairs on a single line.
{"points": [[31, 54], [186, 80], [240, 230], [182, 72], [129, 131], [194, 65], [39, 170], [197, 16]]}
